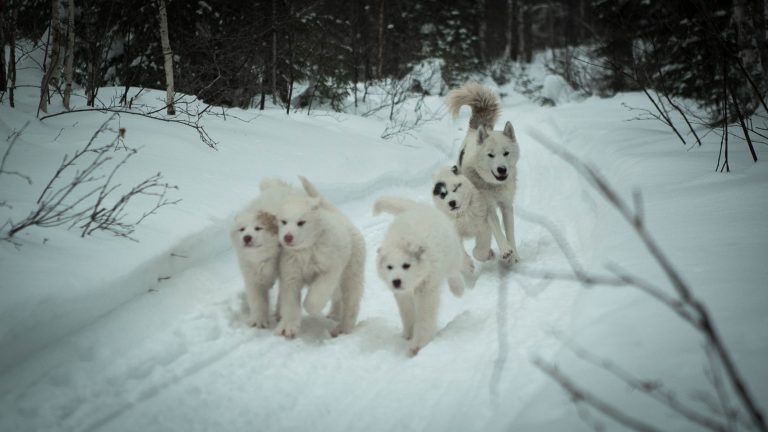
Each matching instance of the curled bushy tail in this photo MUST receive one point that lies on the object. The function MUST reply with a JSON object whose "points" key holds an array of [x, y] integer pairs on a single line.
{"points": [[309, 188], [485, 105], [392, 205]]}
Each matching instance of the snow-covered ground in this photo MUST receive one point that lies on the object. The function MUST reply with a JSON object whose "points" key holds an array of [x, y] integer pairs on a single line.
{"points": [[103, 333]]}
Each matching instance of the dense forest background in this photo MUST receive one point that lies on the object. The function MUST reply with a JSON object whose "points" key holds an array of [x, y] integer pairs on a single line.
{"points": [[242, 54]]}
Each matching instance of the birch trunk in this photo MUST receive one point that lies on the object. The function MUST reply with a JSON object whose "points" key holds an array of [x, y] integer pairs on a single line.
{"points": [[55, 54], [168, 56]]}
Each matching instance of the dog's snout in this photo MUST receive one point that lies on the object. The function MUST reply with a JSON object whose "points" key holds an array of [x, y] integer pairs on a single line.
{"points": [[288, 238], [501, 170], [247, 238], [396, 283], [452, 203]]}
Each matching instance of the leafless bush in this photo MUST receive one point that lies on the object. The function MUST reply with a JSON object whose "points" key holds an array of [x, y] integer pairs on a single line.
{"points": [[79, 195], [188, 113], [397, 95], [724, 412]]}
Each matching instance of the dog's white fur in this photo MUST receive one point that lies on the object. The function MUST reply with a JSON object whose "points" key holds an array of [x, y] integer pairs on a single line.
{"points": [[468, 208], [254, 237], [325, 251], [489, 158], [421, 249]]}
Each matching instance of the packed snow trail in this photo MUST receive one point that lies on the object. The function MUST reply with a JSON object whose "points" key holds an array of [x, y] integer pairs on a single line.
{"points": [[182, 358]]}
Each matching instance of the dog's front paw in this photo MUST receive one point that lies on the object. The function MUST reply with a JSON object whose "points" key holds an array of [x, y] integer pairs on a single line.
{"points": [[258, 321], [414, 349], [509, 257], [468, 266], [483, 255], [340, 329], [287, 329]]}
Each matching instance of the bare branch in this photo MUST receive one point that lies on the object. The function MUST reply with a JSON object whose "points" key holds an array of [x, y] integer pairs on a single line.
{"points": [[580, 396], [13, 137]]}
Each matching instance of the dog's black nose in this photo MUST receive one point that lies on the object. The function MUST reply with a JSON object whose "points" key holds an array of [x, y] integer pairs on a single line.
{"points": [[452, 203], [501, 170], [247, 239], [396, 283]]}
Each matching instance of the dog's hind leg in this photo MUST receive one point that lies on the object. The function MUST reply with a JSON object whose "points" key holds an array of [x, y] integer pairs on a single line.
{"points": [[336, 306], [351, 295], [456, 284], [482, 251], [321, 290], [507, 214]]}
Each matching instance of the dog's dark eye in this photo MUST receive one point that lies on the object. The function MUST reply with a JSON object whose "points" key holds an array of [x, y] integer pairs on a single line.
{"points": [[490, 155], [258, 228], [406, 266], [456, 187], [389, 267], [283, 222], [300, 223], [241, 229], [506, 153]]}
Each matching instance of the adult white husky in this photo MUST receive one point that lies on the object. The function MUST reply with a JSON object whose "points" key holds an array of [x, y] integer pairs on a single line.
{"points": [[325, 251], [488, 158], [456, 196], [254, 237], [421, 249]]}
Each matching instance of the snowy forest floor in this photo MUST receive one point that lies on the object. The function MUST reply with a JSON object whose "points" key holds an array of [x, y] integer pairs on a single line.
{"points": [[102, 333]]}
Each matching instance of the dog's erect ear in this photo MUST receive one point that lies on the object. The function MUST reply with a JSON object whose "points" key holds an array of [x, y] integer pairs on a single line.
{"points": [[482, 134], [508, 131], [268, 220], [314, 203], [455, 170]]}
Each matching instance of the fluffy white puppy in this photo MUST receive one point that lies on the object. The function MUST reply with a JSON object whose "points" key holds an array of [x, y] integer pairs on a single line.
{"points": [[323, 250], [489, 158], [254, 237], [421, 249], [458, 198]]}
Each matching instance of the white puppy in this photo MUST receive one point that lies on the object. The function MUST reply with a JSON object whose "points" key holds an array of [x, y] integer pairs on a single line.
{"points": [[325, 251], [421, 249], [469, 210], [254, 237], [488, 158]]}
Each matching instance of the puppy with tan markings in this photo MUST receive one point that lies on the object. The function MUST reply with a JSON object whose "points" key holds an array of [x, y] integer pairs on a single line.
{"points": [[254, 237], [324, 251], [489, 158], [420, 251]]}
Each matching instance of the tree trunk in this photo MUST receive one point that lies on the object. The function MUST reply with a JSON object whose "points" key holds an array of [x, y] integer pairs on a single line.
{"points": [[168, 56], [55, 54], [745, 32], [12, 60], [510, 47], [482, 30], [274, 52], [524, 49], [3, 77], [380, 68], [70, 53]]}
